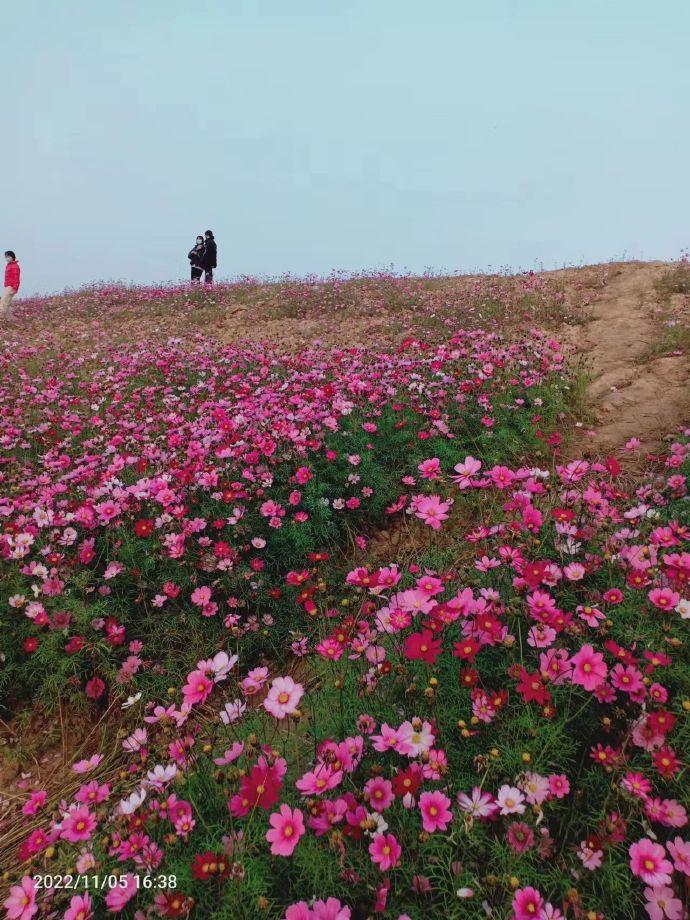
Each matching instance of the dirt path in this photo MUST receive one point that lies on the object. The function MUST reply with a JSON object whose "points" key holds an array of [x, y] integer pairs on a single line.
{"points": [[633, 394]]}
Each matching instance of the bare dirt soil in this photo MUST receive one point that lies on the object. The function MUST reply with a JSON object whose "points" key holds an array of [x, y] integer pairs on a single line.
{"points": [[633, 392]]}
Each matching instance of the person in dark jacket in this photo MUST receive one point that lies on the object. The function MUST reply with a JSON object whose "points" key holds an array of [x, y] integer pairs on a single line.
{"points": [[196, 257], [210, 256]]}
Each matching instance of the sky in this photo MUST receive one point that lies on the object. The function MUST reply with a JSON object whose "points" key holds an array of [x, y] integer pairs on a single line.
{"points": [[313, 135]]}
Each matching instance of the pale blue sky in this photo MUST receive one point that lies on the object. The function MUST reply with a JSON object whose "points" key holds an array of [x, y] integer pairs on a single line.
{"points": [[312, 135]]}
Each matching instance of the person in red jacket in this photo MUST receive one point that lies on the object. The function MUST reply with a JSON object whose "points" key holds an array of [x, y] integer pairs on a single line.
{"points": [[12, 278]]}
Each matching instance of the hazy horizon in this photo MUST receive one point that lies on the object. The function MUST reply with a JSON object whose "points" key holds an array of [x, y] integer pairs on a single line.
{"points": [[444, 136]]}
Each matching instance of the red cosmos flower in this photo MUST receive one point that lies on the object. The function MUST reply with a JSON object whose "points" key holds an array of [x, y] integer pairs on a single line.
{"points": [[622, 654], [173, 904], [666, 762], [613, 466], [533, 573], [407, 781], [95, 688], [531, 688], [499, 699], [467, 649], [209, 864], [318, 557], [661, 722], [656, 660], [422, 646], [260, 789], [222, 549], [75, 645], [144, 527], [468, 677], [637, 579], [604, 756], [30, 645], [489, 624]]}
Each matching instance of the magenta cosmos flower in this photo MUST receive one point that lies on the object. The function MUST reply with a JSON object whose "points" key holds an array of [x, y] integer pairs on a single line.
{"points": [[283, 697], [436, 815], [287, 826], [527, 904], [589, 668], [385, 851], [648, 861]]}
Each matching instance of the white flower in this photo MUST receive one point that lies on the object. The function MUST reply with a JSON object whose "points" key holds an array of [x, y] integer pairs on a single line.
{"points": [[129, 805], [131, 700], [231, 712], [160, 775]]}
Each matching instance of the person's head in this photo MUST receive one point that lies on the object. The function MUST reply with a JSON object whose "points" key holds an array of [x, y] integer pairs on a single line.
{"points": [[209, 234], [199, 240], [10, 256]]}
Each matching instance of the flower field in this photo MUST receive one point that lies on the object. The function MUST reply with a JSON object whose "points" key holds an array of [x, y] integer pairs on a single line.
{"points": [[367, 640]]}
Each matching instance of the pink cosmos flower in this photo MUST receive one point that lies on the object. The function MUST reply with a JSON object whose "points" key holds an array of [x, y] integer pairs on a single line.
{"points": [[501, 476], [626, 678], [35, 803], [320, 780], [591, 859], [465, 472], [589, 668], [520, 837], [197, 689], [679, 850], [431, 509], [436, 814], [21, 903], [430, 469], [283, 697], [80, 908], [298, 911], [379, 793], [636, 784], [662, 903], [201, 596], [287, 826], [388, 740], [574, 571], [85, 766], [479, 805], [648, 861], [510, 801], [385, 851], [559, 785], [527, 904], [78, 824], [664, 598], [232, 753], [118, 897], [331, 909]]}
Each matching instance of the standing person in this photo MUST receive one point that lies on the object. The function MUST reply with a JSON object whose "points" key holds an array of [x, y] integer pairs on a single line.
{"points": [[210, 256], [12, 279], [196, 257]]}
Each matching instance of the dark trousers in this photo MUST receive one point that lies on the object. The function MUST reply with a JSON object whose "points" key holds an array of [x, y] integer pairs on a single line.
{"points": [[208, 277], [196, 273]]}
